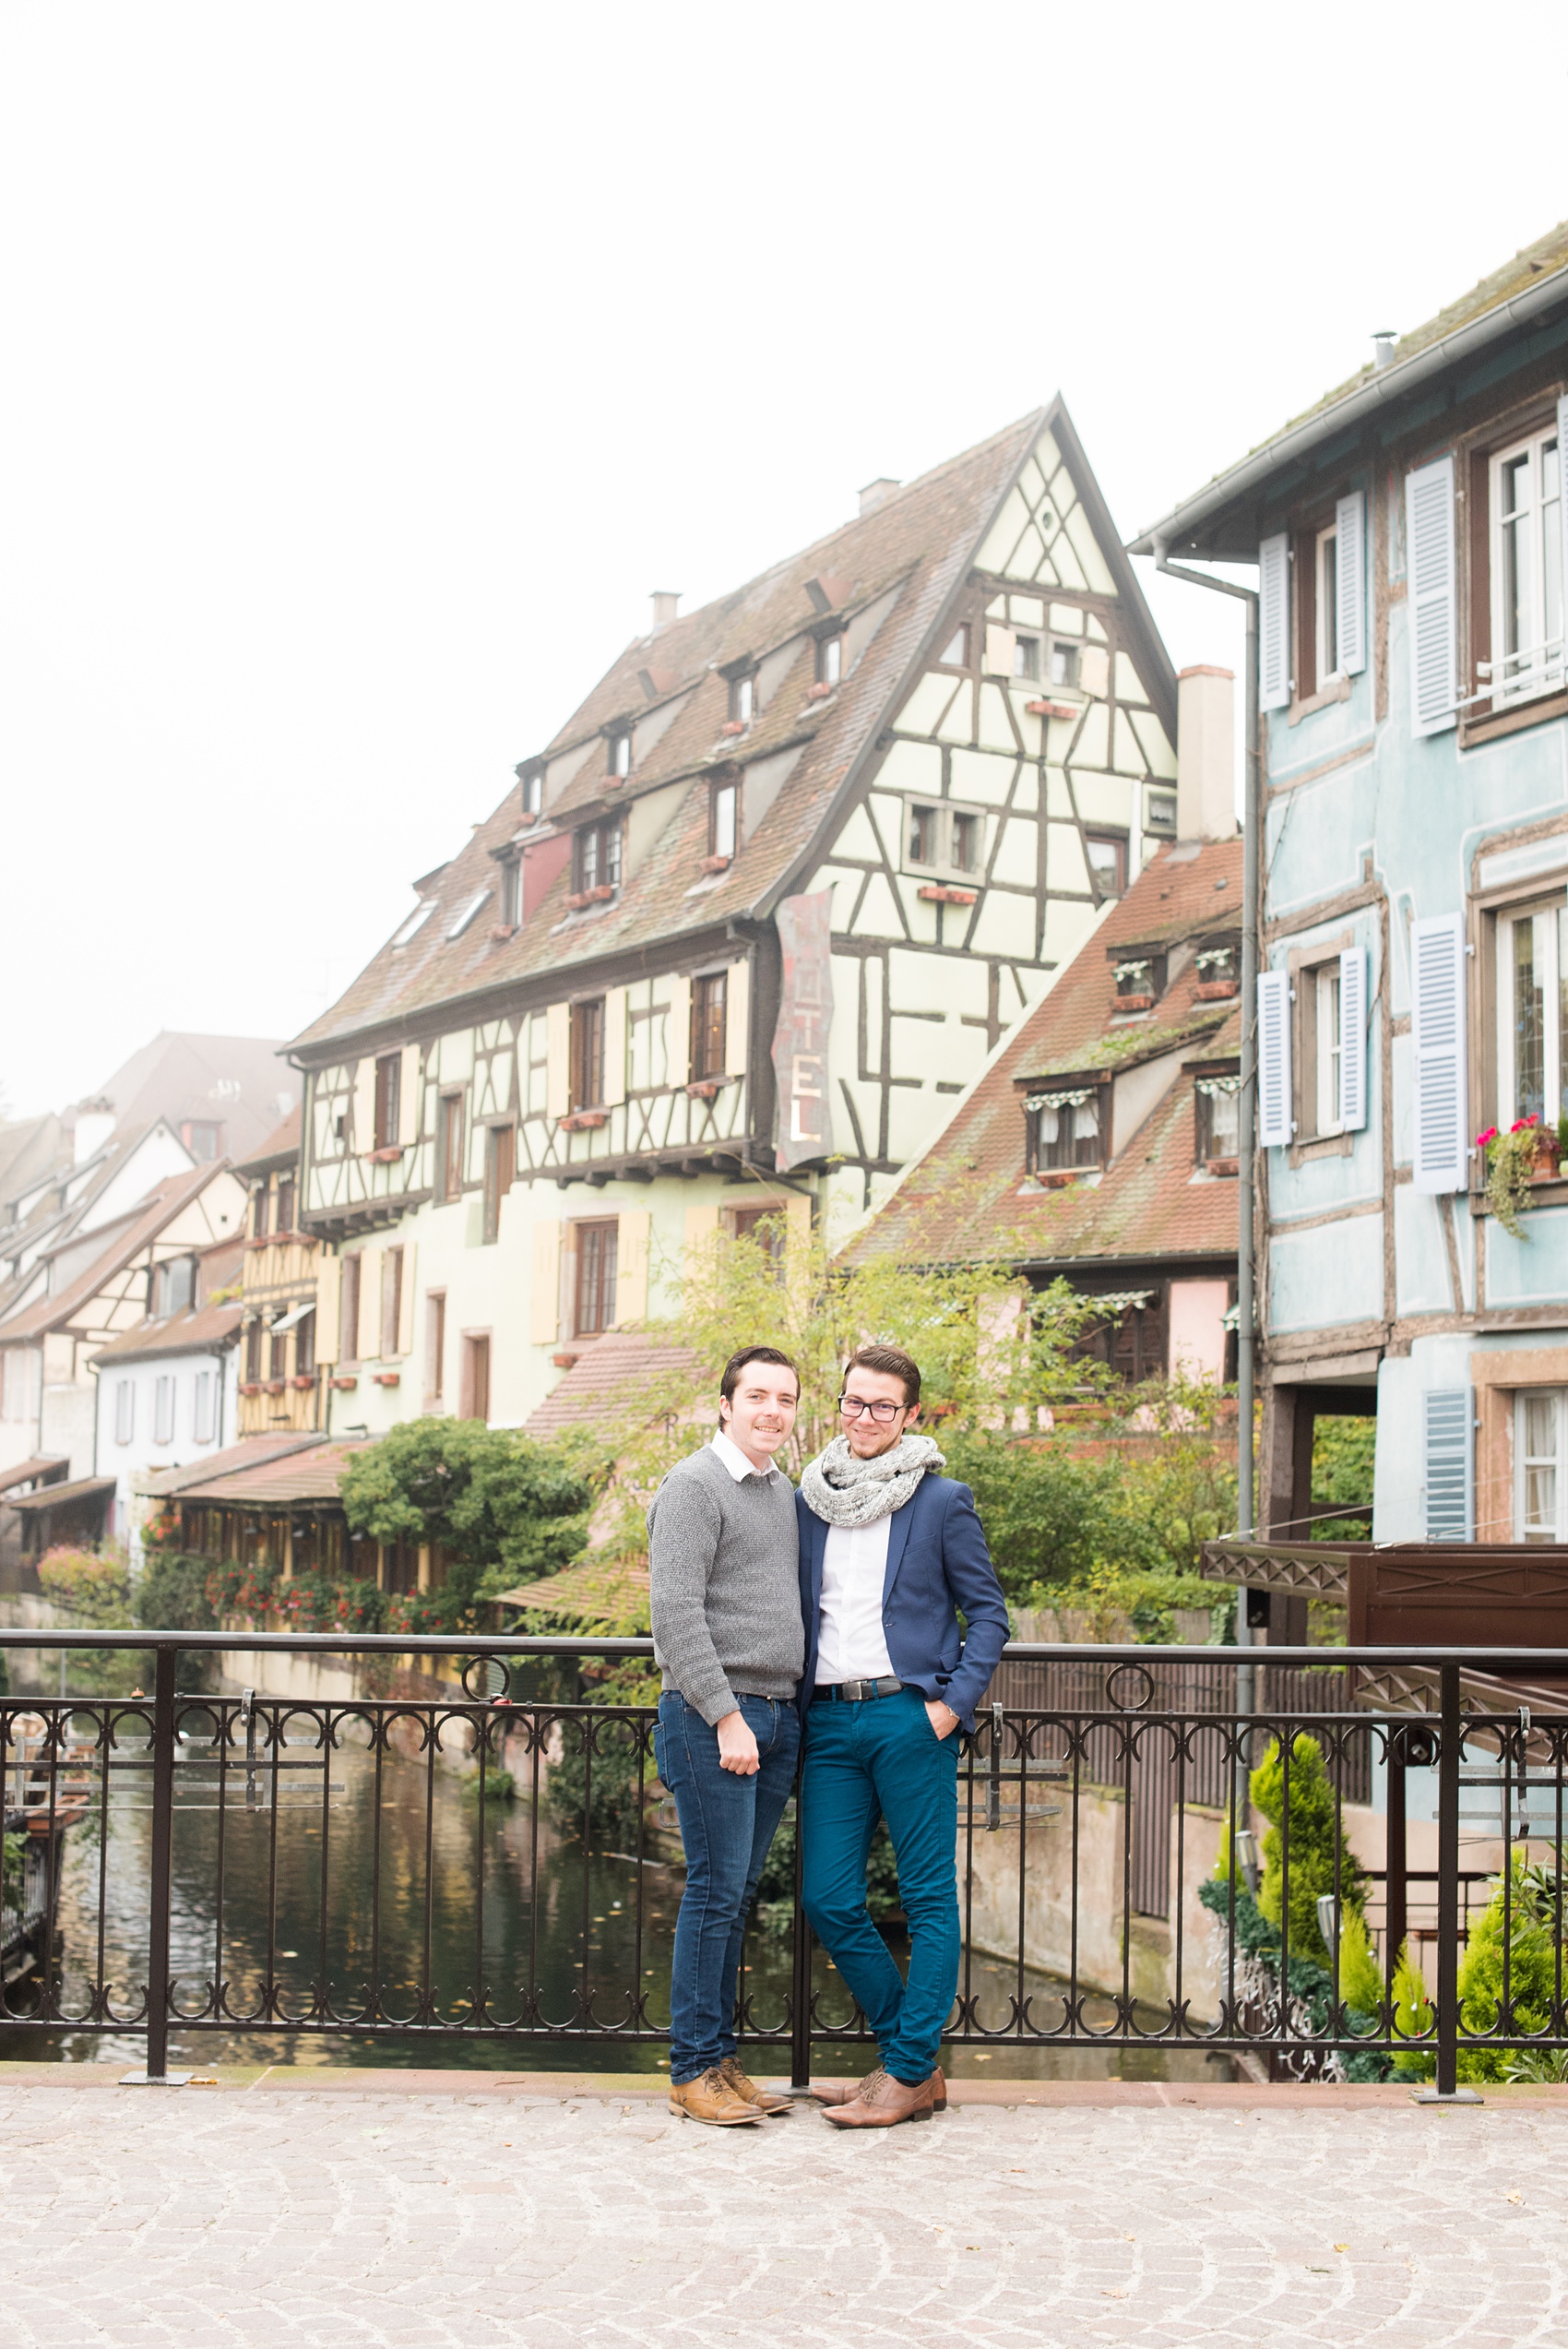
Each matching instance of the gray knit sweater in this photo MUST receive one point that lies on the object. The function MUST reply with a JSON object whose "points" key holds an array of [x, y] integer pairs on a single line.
{"points": [[724, 1562]]}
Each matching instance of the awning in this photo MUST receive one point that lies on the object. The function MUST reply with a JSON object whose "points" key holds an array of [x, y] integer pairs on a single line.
{"points": [[1119, 1300], [85, 1488], [33, 1471], [296, 1313]]}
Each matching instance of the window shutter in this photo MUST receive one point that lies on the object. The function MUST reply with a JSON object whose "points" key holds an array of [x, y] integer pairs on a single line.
{"points": [[370, 1304], [678, 1034], [1448, 1463], [1353, 1039], [1275, 1123], [411, 1096], [364, 1105], [999, 647], [737, 1017], [634, 1230], [1562, 507], [702, 1225], [1274, 621], [558, 1060], [612, 1081], [544, 1294], [328, 1294], [1350, 562], [406, 1301], [1437, 1033], [1429, 528]]}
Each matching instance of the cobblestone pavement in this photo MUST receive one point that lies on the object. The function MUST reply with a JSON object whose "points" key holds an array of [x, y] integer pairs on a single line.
{"points": [[230, 2218]]}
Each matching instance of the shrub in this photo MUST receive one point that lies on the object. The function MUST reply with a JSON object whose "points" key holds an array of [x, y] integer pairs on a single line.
{"points": [[1527, 1941], [92, 1590], [1311, 1835], [600, 1792]]}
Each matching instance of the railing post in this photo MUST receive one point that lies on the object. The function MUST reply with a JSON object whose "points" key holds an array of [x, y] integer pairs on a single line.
{"points": [[162, 1863], [1395, 1862], [801, 1973], [1446, 2090]]}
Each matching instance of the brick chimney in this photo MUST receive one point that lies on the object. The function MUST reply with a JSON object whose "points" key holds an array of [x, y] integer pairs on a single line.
{"points": [[1206, 755], [664, 603], [873, 493]]}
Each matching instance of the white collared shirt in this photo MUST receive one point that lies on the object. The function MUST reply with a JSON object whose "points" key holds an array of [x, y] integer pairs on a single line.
{"points": [[851, 1642], [735, 1459]]}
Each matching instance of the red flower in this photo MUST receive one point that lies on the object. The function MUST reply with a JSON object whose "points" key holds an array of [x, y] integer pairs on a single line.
{"points": [[1490, 1136], [1523, 1125]]}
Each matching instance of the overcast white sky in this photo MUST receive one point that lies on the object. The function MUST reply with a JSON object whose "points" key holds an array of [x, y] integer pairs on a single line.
{"points": [[368, 365]]}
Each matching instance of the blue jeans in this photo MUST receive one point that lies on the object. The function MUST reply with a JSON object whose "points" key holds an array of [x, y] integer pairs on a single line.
{"points": [[727, 1824], [882, 1757]]}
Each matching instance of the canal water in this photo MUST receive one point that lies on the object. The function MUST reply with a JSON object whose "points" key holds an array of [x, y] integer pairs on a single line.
{"points": [[401, 1886]]}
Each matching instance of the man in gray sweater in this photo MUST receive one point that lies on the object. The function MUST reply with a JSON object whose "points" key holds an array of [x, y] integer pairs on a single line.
{"points": [[727, 1631]]}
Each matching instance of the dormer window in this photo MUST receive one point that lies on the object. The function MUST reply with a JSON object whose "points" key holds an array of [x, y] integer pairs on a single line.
{"points": [[621, 755], [596, 860], [723, 821], [174, 1285], [1217, 1121], [1138, 980], [512, 893], [533, 790], [830, 659], [1219, 972], [1065, 1134], [742, 698]]}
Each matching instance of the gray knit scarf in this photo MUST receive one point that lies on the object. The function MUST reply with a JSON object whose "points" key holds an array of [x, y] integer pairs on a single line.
{"points": [[847, 1491]]}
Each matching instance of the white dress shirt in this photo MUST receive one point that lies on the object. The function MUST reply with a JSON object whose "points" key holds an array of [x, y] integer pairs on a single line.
{"points": [[735, 1459], [851, 1644]]}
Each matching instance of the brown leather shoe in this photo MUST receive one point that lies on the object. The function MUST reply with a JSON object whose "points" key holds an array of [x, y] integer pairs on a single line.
{"points": [[711, 2098], [748, 2090], [844, 2091], [882, 2102]]}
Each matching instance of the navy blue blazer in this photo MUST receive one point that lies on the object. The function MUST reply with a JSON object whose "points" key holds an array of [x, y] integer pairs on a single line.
{"points": [[937, 1562]]}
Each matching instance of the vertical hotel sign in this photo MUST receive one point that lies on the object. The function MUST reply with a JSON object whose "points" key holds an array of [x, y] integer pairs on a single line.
{"points": [[805, 1126]]}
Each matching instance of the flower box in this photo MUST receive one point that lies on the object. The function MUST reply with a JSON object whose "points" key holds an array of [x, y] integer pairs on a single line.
{"points": [[1132, 1003], [303, 1381], [733, 726], [716, 865], [818, 692], [702, 1089], [250, 1386], [563, 1361], [386, 1377], [582, 1121], [1056, 1178], [343, 1386], [502, 931], [1215, 990], [1222, 1165], [388, 1155], [275, 1386], [942, 894], [1051, 708]]}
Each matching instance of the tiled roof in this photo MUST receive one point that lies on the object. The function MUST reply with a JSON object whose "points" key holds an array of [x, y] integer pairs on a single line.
{"points": [[130, 1233], [605, 1382], [206, 1328], [282, 1144], [595, 1593], [310, 1474], [915, 549], [251, 1452], [966, 1196], [28, 1472]]}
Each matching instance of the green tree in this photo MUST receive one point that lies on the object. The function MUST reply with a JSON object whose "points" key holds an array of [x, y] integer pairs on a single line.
{"points": [[1313, 1834], [1343, 1457], [502, 1507]]}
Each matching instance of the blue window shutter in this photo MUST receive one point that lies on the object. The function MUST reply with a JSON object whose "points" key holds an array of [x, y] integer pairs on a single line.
{"points": [[1353, 1038], [1350, 564], [1429, 528], [1274, 621], [1437, 1035], [1448, 1457], [1275, 1125]]}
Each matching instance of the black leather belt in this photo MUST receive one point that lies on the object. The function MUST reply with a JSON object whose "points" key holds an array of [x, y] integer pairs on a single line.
{"points": [[856, 1692]]}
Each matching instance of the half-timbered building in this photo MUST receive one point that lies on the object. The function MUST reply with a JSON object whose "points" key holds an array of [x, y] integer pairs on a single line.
{"points": [[740, 935]]}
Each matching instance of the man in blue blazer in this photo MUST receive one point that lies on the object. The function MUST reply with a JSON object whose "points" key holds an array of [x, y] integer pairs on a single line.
{"points": [[890, 1551]]}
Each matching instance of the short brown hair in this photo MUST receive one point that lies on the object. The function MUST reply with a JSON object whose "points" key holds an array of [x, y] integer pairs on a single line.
{"points": [[730, 1377], [894, 1363]]}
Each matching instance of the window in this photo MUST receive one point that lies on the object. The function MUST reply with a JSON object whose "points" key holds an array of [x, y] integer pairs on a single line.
{"points": [[1065, 1129], [449, 1145], [434, 1345], [619, 756], [1540, 1490], [391, 1300], [285, 1203], [201, 1426], [305, 1346], [348, 1310], [259, 1204], [203, 1140], [476, 1378], [278, 1355], [1107, 855], [764, 1227], [163, 1411], [174, 1284], [1532, 1014], [742, 700], [722, 809], [596, 856], [830, 659], [500, 1172], [1219, 1100], [466, 912], [1139, 979], [415, 922], [125, 1410], [1326, 599], [1329, 1056], [587, 1073], [1063, 662], [1161, 816], [512, 893], [1026, 656], [253, 1333], [1527, 572], [708, 998], [956, 652], [1220, 967], [941, 838], [595, 1278], [533, 792], [388, 1087]]}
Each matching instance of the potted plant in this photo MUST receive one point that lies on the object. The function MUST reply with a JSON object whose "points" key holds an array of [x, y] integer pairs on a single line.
{"points": [[1528, 1153]]}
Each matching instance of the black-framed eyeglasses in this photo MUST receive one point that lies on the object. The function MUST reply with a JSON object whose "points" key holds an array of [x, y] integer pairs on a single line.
{"points": [[885, 1414]]}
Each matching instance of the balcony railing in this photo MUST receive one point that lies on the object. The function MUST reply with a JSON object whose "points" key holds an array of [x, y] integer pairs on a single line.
{"points": [[294, 1862]]}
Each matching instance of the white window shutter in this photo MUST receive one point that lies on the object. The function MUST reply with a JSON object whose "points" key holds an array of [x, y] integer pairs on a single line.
{"points": [[1563, 504], [1353, 1039], [1350, 563], [1448, 1463], [1429, 528], [1275, 1125], [1437, 1033], [1274, 621]]}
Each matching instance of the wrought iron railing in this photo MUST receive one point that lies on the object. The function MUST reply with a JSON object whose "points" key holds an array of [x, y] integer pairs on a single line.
{"points": [[197, 1862]]}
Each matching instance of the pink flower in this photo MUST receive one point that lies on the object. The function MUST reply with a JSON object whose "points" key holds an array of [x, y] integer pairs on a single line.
{"points": [[1490, 1136], [1523, 1125]]}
